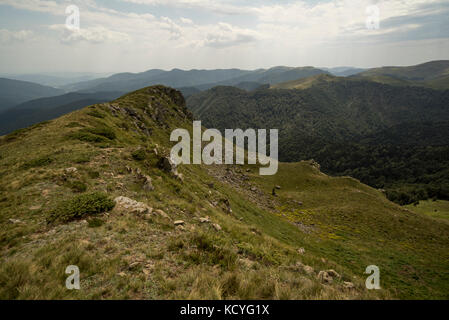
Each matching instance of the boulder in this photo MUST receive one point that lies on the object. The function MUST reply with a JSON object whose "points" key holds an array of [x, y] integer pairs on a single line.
{"points": [[348, 285], [324, 277], [125, 204], [333, 273], [161, 213]]}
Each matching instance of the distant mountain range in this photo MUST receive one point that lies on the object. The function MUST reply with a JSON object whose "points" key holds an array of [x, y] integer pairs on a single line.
{"points": [[34, 111], [199, 79], [14, 92], [433, 74]]}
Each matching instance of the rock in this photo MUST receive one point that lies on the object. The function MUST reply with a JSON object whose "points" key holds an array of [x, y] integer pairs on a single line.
{"points": [[333, 273], [179, 223], [301, 250], [147, 216], [129, 169], [37, 207], [71, 170], [204, 220], [348, 285], [253, 189], [132, 206], [161, 213], [166, 164], [14, 221], [180, 227], [278, 187], [324, 277], [147, 184], [304, 268], [309, 270], [248, 170], [216, 226]]}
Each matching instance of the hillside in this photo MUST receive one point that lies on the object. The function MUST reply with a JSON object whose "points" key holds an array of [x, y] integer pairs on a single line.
{"points": [[38, 110], [13, 92], [433, 74], [235, 241], [389, 137]]}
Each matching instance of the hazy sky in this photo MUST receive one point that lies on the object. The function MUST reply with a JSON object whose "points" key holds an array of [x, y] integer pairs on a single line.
{"points": [[136, 35]]}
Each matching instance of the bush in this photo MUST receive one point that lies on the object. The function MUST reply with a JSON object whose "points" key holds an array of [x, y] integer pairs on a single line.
{"points": [[138, 155], [95, 113], [77, 186], [104, 132], [40, 162], [81, 206]]}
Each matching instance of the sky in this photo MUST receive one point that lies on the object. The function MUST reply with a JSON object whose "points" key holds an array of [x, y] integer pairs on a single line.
{"points": [[38, 36]]}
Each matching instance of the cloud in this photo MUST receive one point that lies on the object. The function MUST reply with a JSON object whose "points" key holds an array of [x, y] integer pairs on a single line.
{"points": [[95, 35], [8, 37], [225, 35]]}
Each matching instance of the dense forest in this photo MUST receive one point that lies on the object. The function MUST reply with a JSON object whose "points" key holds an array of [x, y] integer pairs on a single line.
{"points": [[390, 137]]}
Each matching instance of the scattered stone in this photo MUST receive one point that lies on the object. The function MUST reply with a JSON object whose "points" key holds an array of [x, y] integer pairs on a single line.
{"points": [[132, 206], [309, 270], [15, 221], [301, 250], [248, 170], [278, 187], [324, 277], [305, 268], [71, 170], [253, 189], [37, 207], [166, 164], [204, 220], [333, 273], [216, 226], [179, 223], [121, 274], [133, 265], [180, 227], [161, 213], [348, 285]]}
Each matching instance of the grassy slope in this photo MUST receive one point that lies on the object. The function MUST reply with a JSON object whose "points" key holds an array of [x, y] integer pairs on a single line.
{"points": [[436, 209], [344, 224]]}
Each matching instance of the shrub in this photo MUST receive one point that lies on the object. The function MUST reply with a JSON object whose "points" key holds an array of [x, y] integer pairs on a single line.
{"points": [[138, 155], [81, 206], [87, 137], [95, 222], [77, 186], [95, 113], [39, 162], [104, 132]]}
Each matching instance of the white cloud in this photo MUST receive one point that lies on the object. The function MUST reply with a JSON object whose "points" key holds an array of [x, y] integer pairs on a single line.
{"points": [[7, 36], [95, 35]]}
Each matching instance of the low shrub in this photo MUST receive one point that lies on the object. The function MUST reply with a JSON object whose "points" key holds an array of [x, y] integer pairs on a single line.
{"points": [[81, 206]]}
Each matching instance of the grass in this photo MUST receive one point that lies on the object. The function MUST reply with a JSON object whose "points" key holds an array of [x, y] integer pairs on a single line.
{"points": [[436, 209], [344, 225]]}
